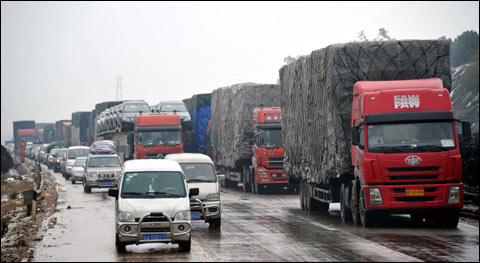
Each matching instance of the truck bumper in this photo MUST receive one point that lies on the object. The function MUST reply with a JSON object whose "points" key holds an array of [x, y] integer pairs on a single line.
{"points": [[101, 184], [273, 177], [164, 230], [394, 197]]}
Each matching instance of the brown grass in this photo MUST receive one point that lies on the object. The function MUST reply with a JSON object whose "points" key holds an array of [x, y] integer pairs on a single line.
{"points": [[10, 205], [16, 187]]}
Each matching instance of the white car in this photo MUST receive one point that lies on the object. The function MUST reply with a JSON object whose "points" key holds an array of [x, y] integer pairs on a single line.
{"points": [[152, 204], [73, 153], [200, 173], [77, 169]]}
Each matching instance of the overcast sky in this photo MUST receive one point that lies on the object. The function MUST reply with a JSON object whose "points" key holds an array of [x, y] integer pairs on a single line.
{"points": [[62, 57]]}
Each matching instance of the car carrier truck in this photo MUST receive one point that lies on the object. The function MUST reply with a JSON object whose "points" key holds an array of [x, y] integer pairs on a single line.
{"points": [[153, 136], [377, 147]]}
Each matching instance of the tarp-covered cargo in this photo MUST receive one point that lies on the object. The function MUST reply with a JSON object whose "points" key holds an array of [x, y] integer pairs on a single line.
{"points": [[317, 97], [102, 147], [232, 112], [199, 107]]}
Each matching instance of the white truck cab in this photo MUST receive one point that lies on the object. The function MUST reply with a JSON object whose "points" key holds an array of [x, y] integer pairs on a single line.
{"points": [[200, 173], [152, 204]]}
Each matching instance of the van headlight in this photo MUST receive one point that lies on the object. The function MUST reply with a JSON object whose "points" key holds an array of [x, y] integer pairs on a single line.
{"points": [[213, 197], [182, 216], [126, 217]]}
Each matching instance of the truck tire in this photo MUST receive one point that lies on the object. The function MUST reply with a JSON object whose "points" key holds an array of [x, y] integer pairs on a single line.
{"points": [[447, 218], [73, 180], [354, 205], [252, 183], [121, 247], [345, 213], [416, 218], [86, 189], [259, 188], [185, 246], [245, 175], [215, 223], [366, 217], [302, 201]]}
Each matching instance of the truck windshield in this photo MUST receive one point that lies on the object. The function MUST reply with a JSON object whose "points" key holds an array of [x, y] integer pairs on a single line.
{"points": [[171, 107], [411, 137], [137, 108], [270, 138], [104, 162], [75, 153], [155, 138], [153, 185], [199, 172]]}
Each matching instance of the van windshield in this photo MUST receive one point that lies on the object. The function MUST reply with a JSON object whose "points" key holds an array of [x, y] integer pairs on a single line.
{"points": [[199, 172], [153, 185], [75, 153], [104, 162]]}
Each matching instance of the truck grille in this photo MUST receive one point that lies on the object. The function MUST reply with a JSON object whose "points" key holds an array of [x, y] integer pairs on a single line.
{"points": [[275, 161], [152, 219], [413, 169], [402, 190], [164, 229], [414, 177], [415, 199], [106, 175]]}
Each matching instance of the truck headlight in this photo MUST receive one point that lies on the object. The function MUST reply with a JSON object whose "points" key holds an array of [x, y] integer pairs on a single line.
{"points": [[454, 195], [375, 196], [262, 173], [126, 217], [182, 216], [213, 197], [90, 175]]}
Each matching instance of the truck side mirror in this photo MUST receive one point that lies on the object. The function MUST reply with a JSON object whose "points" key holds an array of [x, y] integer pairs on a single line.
{"points": [[467, 130], [355, 136], [193, 192], [221, 177], [113, 192]]}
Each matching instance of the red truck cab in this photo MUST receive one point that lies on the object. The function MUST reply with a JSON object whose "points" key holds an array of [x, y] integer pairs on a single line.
{"points": [[268, 150], [157, 135], [405, 151]]}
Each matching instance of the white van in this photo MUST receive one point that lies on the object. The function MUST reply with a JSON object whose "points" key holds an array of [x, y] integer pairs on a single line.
{"points": [[200, 173], [152, 204]]}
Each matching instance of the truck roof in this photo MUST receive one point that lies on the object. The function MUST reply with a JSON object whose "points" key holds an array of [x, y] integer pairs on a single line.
{"points": [[267, 115], [157, 120], [145, 165], [189, 158], [370, 86]]}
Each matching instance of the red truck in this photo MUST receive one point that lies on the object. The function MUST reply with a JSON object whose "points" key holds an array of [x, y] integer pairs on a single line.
{"points": [[268, 151], [405, 153], [153, 136], [157, 135]]}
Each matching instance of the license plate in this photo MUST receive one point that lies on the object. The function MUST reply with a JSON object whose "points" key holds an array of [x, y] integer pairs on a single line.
{"points": [[195, 215], [154, 237], [106, 183], [414, 192]]}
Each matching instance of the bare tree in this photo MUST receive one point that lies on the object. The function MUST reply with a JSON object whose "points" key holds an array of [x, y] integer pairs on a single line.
{"points": [[362, 36]]}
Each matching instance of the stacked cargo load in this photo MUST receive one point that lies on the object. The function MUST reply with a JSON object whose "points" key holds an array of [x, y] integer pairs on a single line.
{"points": [[103, 147], [232, 111], [79, 127], [317, 97]]}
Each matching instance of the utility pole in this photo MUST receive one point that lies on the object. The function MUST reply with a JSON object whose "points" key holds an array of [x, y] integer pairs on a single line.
{"points": [[119, 88]]}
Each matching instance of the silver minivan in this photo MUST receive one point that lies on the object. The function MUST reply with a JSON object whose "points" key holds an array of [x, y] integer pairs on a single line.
{"points": [[200, 173]]}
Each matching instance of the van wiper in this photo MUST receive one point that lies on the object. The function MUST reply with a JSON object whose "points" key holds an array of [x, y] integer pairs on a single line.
{"points": [[198, 180], [164, 193], [136, 193]]}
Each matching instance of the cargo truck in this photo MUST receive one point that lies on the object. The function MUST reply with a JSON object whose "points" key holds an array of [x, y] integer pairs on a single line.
{"points": [[153, 136], [18, 125], [236, 125], [266, 170], [397, 152]]}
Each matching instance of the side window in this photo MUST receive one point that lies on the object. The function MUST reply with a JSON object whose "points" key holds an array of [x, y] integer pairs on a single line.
{"points": [[362, 137]]}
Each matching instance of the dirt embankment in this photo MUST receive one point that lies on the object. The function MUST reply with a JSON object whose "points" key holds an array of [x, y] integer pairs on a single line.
{"points": [[18, 230]]}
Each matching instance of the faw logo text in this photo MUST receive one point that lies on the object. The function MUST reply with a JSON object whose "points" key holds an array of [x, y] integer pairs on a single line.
{"points": [[406, 101], [413, 160]]}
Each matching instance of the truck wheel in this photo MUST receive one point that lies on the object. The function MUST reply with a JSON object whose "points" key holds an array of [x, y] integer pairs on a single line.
{"points": [[354, 205], [73, 180], [258, 188], [121, 247], [345, 213], [308, 200], [366, 217], [215, 223], [246, 174], [252, 183], [185, 246], [302, 201], [86, 189]]}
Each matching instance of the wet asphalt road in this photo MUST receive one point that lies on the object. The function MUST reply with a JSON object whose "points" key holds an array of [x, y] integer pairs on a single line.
{"points": [[254, 228]]}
